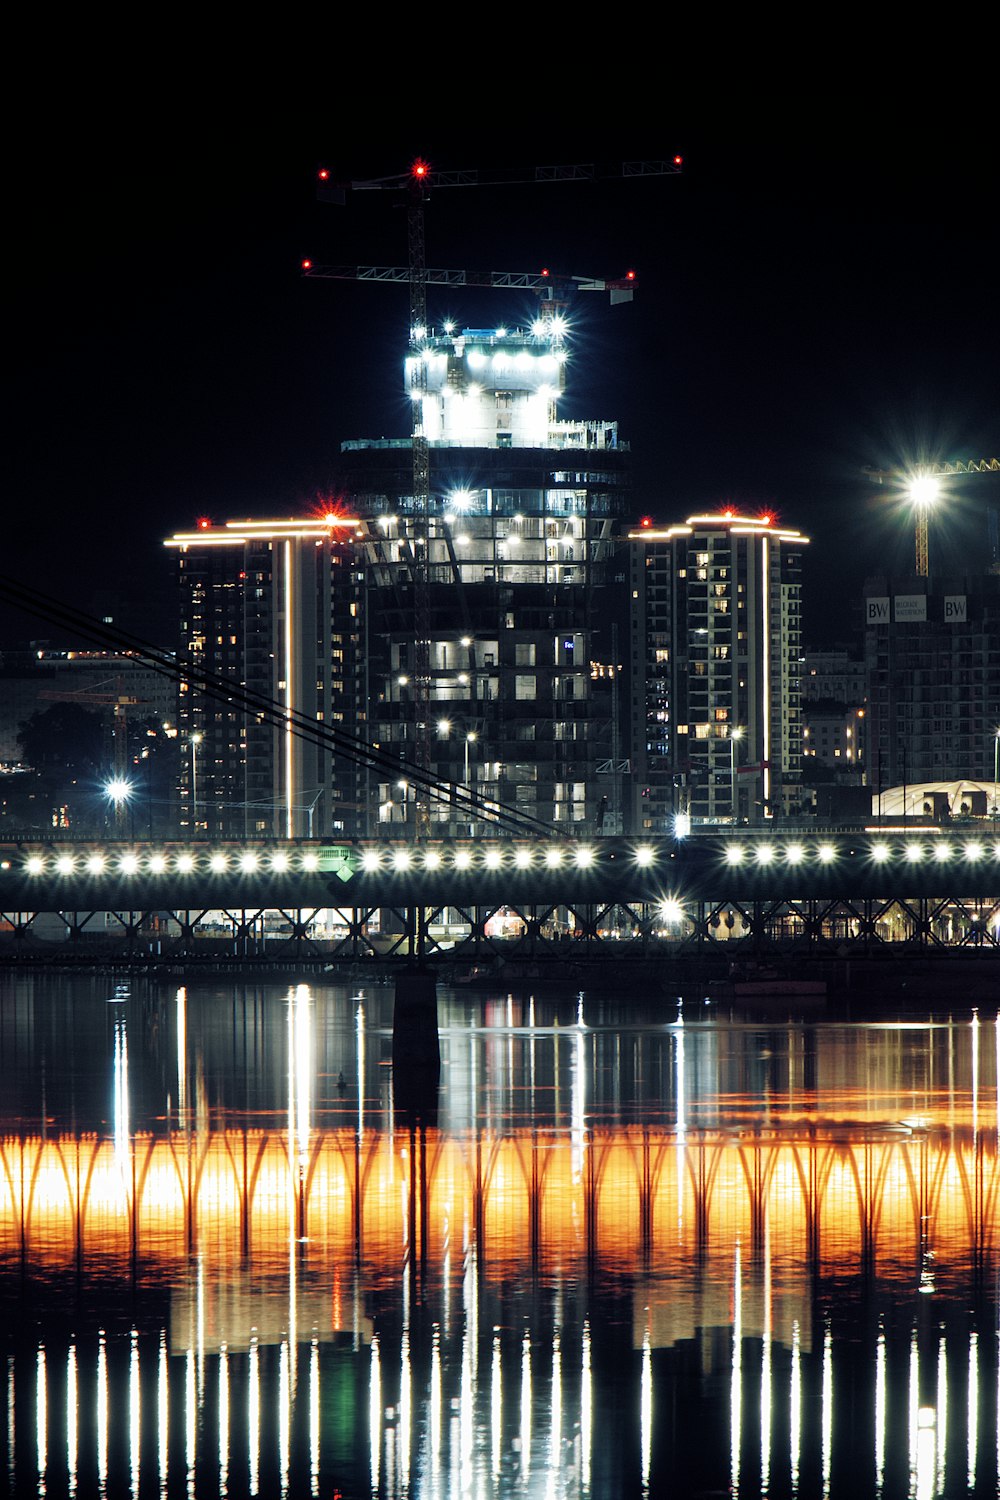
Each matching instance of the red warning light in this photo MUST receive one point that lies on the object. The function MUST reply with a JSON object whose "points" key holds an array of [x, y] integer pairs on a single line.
{"points": [[646, 521], [767, 519], [545, 271], [204, 524], [420, 168], [324, 175], [307, 265], [629, 275], [678, 161]]}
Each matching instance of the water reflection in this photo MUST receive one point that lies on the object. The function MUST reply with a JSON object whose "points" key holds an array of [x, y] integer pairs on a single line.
{"points": [[634, 1254]]}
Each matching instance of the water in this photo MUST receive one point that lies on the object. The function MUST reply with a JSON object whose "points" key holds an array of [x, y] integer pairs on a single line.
{"points": [[637, 1249]]}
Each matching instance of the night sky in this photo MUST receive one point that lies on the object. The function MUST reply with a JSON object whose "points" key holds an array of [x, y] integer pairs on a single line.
{"points": [[807, 304]]}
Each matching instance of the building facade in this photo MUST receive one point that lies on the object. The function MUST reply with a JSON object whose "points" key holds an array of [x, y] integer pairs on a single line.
{"points": [[715, 671], [274, 611], [932, 657]]}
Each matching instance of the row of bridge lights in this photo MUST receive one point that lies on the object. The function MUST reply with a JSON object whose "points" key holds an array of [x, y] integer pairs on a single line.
{"points": [[521, 858]]}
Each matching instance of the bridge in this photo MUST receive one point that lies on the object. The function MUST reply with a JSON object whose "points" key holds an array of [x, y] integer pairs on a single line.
{"points": [[506, 900]]}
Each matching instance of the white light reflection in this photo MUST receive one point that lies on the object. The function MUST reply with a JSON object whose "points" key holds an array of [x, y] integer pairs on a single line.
{"points": [[942, 1411], [41, 1419], [435, 1412], [578, 1097], [314, 1411], [586, 1411], [253, 1417], [162, 1413], [680, 1144], [795, 1407], [555, 1430], [973, 1408], [975, 1076], [646, 1410], [375, 1414], [526, 1405], [765, 1368], [72, 1403], [181, 1052], [736, 1379], [913, 1411], [827, 1407], [102, 1416], [190, 1418], [496, 1407], [11, 1450], [880, 1409], [466, 1401], [134, 1429], [223, 1420], [405, 1411], [120, 1108], [284, 1416]]}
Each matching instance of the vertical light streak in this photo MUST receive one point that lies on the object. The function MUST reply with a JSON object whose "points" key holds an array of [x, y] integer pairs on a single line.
{"points": [[102, 1416], [182, 1052], [290, 604], [72, 1414], [41, 1419], [190, 1419], [827, 1407], [765, 633], [555, 1441], [134, 1429], [680, 1146], [880, 1409], [973, 1408], [284, 1415], [526, 1404], [11, 1451], [736, 1377], [646, 1410], [578, 1104], [496, 1407], [765, 1367], [314, 1410], [586, 1411], [467, 1405], [942, 1411], [913, 1407], [223, 1420], [163, 1433], [375, 1414], [199, 1284], [435, 1411], [253, 1416], [405, 1410], [975, 1075], [795, 1407], [121, 1123]]}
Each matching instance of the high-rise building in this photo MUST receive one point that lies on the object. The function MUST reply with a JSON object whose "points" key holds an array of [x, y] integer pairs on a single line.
{"points": [[496, 597], [932, 656], [274, 608], [715, 670]]}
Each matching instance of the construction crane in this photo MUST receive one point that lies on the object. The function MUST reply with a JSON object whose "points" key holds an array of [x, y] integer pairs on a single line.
{"points": [[921, 485], [416, 185]]}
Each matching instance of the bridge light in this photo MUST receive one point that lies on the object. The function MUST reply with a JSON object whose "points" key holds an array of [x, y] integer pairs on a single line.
{"points": [[671, 911], [880, 853], [734, 855], [96, 863], [185, 863], [279, 862], [553, 858], [795, 854], [65, 864], [974, 851], [463, 859], [493, 859], [644, 857], [249, 860], [36, 865], [157, 864], [914, 853], [523, 859], [584, 858], [826, 853], [401, 859], [432, 860], [370, 860], [764, 854], [942, 852], [310, 862], [129, 864], [218, 863]]}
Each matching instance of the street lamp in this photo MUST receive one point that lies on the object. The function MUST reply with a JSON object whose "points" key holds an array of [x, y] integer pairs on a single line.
{"points": [[735, 734]]}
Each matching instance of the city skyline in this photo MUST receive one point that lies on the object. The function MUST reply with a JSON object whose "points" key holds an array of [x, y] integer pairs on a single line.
{"points": [[802, 311]]}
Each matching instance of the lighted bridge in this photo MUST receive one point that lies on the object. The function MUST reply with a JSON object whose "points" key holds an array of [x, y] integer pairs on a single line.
{"points": [[507, 899]]}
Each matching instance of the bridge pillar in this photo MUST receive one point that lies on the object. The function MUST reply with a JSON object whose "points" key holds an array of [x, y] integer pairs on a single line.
{"points": [[416, 1046]]}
